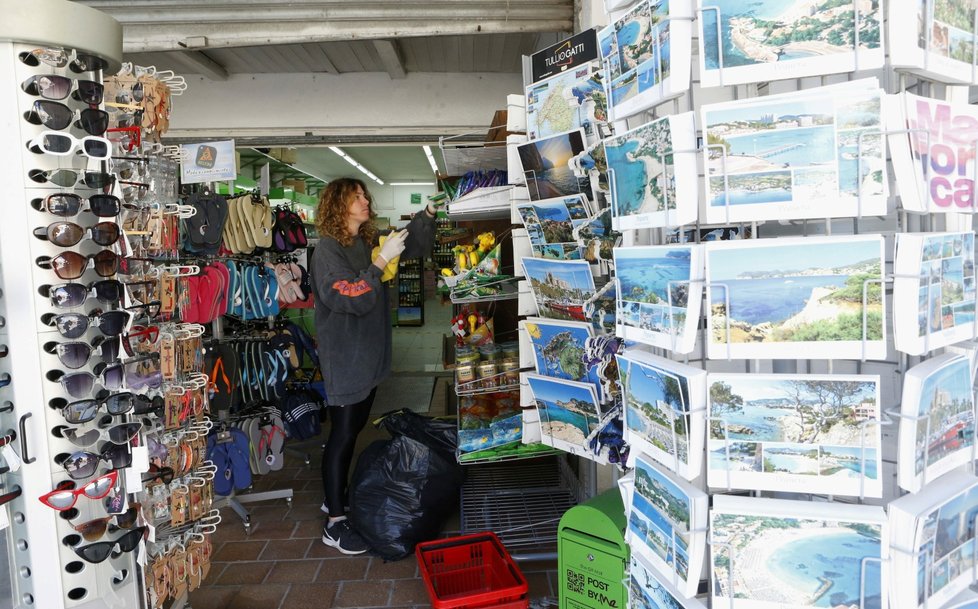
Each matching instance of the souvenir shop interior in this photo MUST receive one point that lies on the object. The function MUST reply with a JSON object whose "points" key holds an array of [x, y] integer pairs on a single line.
{"points": [[698, 328]]}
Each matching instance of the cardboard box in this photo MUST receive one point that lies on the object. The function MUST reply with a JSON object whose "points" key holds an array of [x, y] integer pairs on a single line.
{"points": [[298, 186]]}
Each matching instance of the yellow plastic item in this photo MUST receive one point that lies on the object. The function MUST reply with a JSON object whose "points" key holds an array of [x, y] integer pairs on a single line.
{"points": [[390, 271], [473, 258], [447, 273]]}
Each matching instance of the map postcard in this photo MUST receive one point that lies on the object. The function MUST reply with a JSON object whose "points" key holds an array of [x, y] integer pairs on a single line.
{"points": [[776, 553], [934, 39], [667, 525], [652, 174], [937, 423], [550, 224], [637, 52], [803, 433], [559, 349], [660, 291], [547, 166], [560, 287], [933, 291], [569, 412], [744, 41], [665, 411], [816, 153], [934, 162], [574, 99], [796, 297]]}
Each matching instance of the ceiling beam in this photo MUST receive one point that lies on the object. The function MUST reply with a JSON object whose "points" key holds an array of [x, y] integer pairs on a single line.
{"points": [[390, 57], [200, 63]]}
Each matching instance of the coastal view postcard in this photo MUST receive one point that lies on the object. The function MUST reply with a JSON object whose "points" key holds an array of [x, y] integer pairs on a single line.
{"points": [[660, 290], [550, 223], [667, 525], [547, 166], [649, 590], [560, 287], [816, 153], [936, 42], [559, 349], [802, 433], [650, 185], [796, 297], [637, 52], [569, 412], [937, 429], [574, 99], [769, 553], [665, 407], [763, 40], [933, 291]]}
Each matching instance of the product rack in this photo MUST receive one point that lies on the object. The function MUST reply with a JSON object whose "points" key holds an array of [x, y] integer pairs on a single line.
{"points": [[410, 292]]}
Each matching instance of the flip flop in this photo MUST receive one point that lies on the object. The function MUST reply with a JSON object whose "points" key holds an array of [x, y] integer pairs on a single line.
{"points": [[277, 444], [218, 455], [262, 222], [238, 451]]}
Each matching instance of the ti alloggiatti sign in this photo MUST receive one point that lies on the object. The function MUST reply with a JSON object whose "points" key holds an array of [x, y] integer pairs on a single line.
{"points": [[576, 50], [207, 162]]}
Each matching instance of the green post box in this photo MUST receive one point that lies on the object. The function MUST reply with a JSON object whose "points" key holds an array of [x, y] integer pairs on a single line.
{"points": [[592, 554]]}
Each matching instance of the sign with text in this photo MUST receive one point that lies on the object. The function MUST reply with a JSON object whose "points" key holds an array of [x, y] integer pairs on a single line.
{"points": [[576, 50], [207, 162]]}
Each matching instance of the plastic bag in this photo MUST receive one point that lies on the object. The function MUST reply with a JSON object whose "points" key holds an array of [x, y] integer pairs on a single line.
{"points": [[403, 489]]}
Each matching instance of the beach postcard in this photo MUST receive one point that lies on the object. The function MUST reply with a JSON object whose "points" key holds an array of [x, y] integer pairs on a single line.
{"points": [[934, 291], [667, 525], [548, 166], [651, 186], [816, 153], [775, 553], [744, 41], [936, 39], [569, 412], [560, 287], [812, 433], [647, 589], [937, 423], [796, 297], [665, 408], [574, 99], [550, 224], [660, 290], [559, 349]]}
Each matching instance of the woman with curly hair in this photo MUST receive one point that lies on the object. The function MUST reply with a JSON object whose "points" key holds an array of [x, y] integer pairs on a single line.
{"points": [[353, 328]]}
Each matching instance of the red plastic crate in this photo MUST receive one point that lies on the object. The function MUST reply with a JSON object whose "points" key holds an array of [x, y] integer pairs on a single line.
{"points": [[471, 572]]}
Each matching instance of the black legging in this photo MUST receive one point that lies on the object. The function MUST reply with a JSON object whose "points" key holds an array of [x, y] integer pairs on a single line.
{"points": [[345, 423]]}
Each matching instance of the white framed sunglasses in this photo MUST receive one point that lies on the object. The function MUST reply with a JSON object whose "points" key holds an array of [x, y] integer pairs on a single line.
{"points": [[60, 143]]}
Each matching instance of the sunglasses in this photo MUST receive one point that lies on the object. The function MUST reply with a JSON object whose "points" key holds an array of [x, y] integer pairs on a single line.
{"points": [[72, 265], [69, 204], [99, 551], [57, 116], [127, 95], [127, 137], [84, 411], [93, 530], [81, 384], [74, 325], [52, 86], [75, 354], [83, 464], [132, 191], [143, 372], [66, 495], [69, 234], [163, 474], [150, 309], [63, 144], [123, 433], [139, 335], [67, 178], [67, 295], [128, 170], [59, 58]]}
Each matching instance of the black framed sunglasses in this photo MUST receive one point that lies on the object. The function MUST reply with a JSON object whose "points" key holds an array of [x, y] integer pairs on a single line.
{"points": [[57, 116], [83, 464], [83, 411], [52, 86], [99, 551], [74, 325], [67, 295], [69, 204]]}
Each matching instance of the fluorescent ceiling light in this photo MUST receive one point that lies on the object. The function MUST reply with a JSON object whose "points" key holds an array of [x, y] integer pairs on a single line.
{"points": [[412, 184], [431, 159], [351, 161]]}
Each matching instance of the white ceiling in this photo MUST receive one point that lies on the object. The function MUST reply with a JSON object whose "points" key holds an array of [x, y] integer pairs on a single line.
{"points": [[389, 163]]}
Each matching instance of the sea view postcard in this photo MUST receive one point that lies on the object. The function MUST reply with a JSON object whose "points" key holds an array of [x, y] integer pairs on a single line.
{"points": [[937, 42], [573, 99], [650, 186], [667, 525], [933, 291], [764, 40], [665, 408], [547, 167], [775, 553], [660, 290], [816, 153], [795, 432], [550, 223], [649, 590], [560, 287], [937, 429], [796, 297], [559, 349], [569, 412]]}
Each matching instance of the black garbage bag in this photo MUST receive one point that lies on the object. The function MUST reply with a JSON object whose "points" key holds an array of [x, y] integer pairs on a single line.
{"points": [[403, 489]]}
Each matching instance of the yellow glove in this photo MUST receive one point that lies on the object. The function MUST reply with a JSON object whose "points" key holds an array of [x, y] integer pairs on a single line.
{"points": [[390, 271]]}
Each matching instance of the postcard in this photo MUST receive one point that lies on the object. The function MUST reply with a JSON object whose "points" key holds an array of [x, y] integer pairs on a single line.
{"points": [[573, 99], [796, 297], [649, 590], [805, 433], [762, 40], [933, 291], [665, 407], [560, 348], [770, 553], [652, 174], [816, 153], [637, 50], [937, 42], [549, 166], [569, 413], [560, 287], [550, 224], [932, 534], [660, 290], [937, 423]]}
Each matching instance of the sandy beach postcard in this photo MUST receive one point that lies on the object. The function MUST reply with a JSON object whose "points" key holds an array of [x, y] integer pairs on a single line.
{"points": [[574, 99], [660, 289], [665, 407], [559, 349], [796, 297], [667, 525], [768, 553], [933, 291], [650, 185], [647, 589], [937, 426], [816, 153], [550, 224], [813, 433], [560, 287], [547, 166], [936, 39], [569, 412], [762, 40]]}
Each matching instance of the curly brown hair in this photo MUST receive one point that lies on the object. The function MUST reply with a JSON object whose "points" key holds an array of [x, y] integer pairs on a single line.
{"points": [[334, 209]]}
